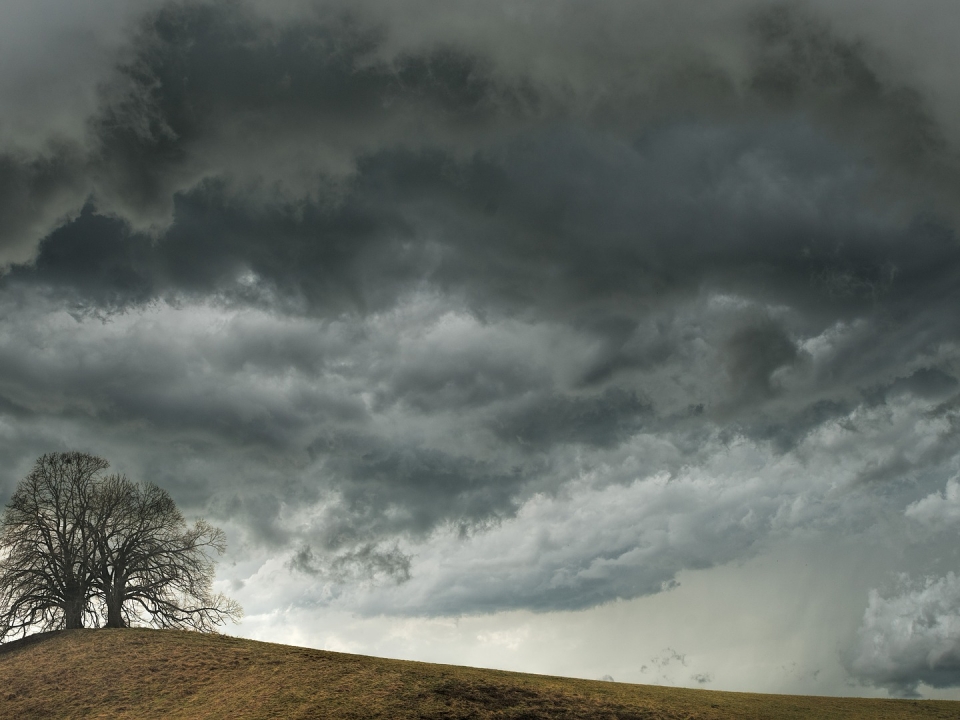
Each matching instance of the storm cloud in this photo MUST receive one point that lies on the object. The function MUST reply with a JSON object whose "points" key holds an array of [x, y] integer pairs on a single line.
{"points": [[514, 307]]}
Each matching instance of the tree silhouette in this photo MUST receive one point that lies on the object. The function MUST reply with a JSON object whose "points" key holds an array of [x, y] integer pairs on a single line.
{"points": [[151, 568], [46, 561], [78, 547]]}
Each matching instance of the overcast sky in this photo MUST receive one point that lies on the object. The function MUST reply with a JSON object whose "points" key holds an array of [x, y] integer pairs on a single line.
{"points": [[597, 339]]}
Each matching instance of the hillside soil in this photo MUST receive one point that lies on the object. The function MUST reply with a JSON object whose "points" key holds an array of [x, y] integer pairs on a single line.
{"points": [[140, 674]]}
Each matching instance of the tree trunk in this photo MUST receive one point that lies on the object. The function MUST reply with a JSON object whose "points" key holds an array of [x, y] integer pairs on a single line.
{"points": [[115, 608], [73, 614]]}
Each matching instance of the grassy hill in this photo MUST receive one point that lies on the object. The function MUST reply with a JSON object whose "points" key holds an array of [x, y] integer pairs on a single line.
{"points": [[168, 674]]}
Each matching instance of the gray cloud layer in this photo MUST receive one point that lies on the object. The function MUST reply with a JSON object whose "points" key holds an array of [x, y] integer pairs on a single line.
{"points": [[443, 317]]}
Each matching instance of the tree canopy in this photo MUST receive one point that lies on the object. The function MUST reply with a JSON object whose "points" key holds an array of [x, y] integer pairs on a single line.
{"points": [[80, 548]]}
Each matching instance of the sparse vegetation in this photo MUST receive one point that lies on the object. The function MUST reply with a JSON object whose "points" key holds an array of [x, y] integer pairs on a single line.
{"points": [[178, 674]]}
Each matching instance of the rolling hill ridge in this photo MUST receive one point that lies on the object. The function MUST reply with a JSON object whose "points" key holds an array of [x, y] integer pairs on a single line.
{"points": [[136, 673]]}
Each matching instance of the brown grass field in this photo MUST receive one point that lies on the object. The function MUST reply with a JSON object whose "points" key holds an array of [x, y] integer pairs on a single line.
{"points": [[171, 674]]}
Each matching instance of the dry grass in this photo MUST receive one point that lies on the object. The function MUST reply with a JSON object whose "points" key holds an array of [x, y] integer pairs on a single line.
{"points": [[167, 674]]}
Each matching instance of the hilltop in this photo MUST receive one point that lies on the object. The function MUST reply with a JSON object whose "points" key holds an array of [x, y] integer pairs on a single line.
{"points": [[171, 674]]}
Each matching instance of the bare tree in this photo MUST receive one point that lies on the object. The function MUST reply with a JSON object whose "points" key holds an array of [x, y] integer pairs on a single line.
{"points": [[151, 567], [77, 547], [46, 548]]}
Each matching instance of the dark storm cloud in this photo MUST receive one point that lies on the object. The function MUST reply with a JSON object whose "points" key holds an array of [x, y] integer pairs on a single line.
{"points": [[206, 79], [603, 420], [99, 259], [803, 63], [470, 377], [557, 219], [755, 353], [412, 488], [787, 430], [368, 562], [590, 222], [927, 382], [598, 230], [36, 190]]}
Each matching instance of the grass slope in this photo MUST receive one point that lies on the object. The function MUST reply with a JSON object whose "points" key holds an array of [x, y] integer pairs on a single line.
{"points": [[169, 674]]}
